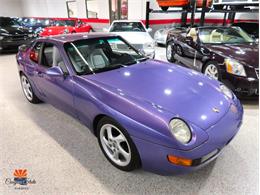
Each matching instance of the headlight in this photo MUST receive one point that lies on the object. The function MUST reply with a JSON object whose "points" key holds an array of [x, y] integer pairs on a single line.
{"points": [[1, 37], [30, 35], [226, 91], [180, 130], [234, 67], [149, 45]]}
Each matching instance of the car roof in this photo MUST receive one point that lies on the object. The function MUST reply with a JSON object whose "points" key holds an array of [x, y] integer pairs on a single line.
{"points": [[77, 36]]}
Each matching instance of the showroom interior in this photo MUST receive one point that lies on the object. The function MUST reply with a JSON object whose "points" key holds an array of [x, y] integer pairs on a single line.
{"points": [[129, 97]]}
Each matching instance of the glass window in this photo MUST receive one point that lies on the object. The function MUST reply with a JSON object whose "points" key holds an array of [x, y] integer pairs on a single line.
{"points": [[34, 54], [127, 27], [51, 57], [103, 54], [220, 35]]}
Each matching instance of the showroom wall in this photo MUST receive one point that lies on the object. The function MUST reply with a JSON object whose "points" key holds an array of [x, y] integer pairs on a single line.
{"points": [[11, 8]]}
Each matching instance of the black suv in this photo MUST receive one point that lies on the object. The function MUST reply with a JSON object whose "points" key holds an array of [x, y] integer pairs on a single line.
{"points": [[12, 35]]}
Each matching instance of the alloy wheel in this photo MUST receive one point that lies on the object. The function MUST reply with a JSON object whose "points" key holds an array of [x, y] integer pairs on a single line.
{"points": [[115, 145], [27, 89], [212, 71]]}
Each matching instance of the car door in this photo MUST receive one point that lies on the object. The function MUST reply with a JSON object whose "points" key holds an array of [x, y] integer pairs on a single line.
{"points": [[82, 27], [57, 90], [188, 50]]}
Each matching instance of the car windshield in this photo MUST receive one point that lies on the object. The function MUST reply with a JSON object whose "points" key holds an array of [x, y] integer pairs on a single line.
{"points": [[64, 23], [224, 36], [101, 54], [127, 27], [8, 22]]}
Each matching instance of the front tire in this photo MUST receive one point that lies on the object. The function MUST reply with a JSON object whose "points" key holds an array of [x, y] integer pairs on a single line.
{"points": [[211, 70], [170, 52], [28, 90], [117, 145]]}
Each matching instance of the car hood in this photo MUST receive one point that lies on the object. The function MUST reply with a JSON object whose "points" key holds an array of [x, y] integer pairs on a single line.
{"points": [[182, 92], [135, 37], [14, 30], [246, 54]]}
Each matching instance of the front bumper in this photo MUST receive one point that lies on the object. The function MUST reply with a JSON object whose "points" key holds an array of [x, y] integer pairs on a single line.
{"points": [[247, 86], [154, 156]]}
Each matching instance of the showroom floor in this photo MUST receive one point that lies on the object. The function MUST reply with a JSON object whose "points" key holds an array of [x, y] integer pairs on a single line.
{"points": [[63, 157]]}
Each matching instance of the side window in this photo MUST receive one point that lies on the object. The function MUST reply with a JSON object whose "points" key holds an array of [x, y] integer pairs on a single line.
{"points": [[51, 57], [34, 54]]}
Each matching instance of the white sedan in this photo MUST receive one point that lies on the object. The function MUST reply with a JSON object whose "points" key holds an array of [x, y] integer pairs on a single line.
{"points": [[136, 34]]}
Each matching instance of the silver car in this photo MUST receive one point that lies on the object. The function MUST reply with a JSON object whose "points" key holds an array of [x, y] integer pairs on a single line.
{"points": [[136, 34]]}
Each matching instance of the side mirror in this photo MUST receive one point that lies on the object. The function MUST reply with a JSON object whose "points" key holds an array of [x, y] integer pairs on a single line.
{"points": [[189, 40], [55, 71], [105, 30], [149, 30]]}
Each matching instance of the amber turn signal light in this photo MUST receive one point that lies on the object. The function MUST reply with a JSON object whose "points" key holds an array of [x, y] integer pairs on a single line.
{"points": [[179, 160]]}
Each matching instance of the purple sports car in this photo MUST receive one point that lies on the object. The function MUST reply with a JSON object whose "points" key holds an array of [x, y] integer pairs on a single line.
{"points": [[144, 113]]}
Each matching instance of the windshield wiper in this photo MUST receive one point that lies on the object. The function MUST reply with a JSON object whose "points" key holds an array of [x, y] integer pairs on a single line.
{"points": [[142, 59], [107, 68]]}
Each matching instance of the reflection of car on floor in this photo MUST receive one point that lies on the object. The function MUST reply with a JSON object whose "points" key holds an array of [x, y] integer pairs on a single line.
{"points": [[165, 4], [144, 112], [66, 26], [252, 28], [227, 54], [12, 34], [136, 34]]}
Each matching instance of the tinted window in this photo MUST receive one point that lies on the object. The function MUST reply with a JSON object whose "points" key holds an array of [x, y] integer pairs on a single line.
{"points": [[127, 27], [51, 57]]}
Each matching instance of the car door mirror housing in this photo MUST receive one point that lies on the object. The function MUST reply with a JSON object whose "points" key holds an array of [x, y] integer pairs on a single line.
{"points": [[55, 71]]}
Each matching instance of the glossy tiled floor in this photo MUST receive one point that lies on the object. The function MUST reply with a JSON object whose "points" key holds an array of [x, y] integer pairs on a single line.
{"points": [[63, 157]]}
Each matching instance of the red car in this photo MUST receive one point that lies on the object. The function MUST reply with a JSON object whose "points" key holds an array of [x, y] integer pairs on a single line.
{"points": [[66, 26]]}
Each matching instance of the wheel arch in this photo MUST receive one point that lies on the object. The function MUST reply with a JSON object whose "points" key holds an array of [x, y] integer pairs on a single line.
{"points": [[96, 121]]}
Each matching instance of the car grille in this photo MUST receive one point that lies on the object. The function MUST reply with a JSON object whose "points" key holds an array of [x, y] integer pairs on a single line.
{"points": [[257, 72]]}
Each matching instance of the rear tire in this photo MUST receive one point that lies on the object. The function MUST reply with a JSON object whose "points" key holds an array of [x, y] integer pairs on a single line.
{"points": [[28, 90], [117, 145]]}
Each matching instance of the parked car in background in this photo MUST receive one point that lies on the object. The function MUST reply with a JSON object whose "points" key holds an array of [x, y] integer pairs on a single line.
{"points": [[36, 24], [227, 54], [219, 4], [136, 34], [165, 4], [139, 109], [12, 34], [66, 26], [252, 28], [160, 36]]}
